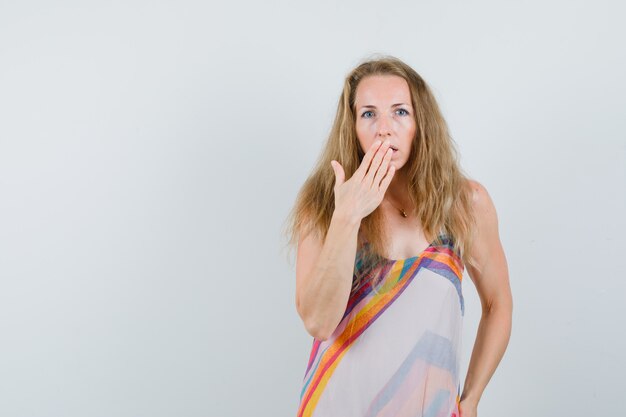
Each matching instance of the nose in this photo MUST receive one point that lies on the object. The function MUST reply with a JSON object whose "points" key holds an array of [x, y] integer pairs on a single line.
{"points": [[384, 127]]}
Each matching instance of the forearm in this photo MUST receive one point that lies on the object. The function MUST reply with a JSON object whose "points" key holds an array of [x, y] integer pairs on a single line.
{"points": [[494, 331], [325, 298]]}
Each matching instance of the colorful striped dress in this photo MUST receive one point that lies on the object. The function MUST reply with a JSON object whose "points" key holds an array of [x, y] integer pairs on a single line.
{"points": [[397, 349]]}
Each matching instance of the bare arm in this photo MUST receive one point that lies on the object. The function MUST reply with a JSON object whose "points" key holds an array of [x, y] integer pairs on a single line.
{"points": [[322, 297], [492, 284], [324, 270]]}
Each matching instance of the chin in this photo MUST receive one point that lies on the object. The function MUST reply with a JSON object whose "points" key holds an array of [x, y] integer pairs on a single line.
{"points": [[397, 165]]}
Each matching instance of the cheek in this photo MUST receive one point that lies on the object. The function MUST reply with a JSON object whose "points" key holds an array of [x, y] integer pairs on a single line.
{"points": [[365, 127], [360, 137], [359, 129], [363, 134], [410, 128]]}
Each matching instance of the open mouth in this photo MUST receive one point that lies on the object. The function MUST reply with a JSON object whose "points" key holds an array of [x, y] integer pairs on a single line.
{"points": [[394, 148]]}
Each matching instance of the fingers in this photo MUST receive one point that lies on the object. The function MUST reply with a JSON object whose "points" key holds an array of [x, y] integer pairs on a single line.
{"points": [[367, 159], [340, 175], [382, 170], [384, 184], [380, 154]]}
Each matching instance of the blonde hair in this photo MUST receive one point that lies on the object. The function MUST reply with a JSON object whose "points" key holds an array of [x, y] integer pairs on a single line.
{"points": [[437, 187]]}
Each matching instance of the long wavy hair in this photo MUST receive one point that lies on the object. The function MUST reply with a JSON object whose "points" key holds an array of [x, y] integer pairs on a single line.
{"points": [[438, 188]]}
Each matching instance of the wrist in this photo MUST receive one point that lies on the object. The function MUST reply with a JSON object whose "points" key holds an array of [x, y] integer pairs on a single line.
{"points": [[346, 216], [469, 399]]}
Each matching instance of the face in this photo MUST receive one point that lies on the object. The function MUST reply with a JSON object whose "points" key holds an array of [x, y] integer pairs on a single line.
{"points": [[384, 111]]}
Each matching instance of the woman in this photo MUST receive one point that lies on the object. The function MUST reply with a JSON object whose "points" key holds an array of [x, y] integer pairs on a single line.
{"points": [[381, 257]]}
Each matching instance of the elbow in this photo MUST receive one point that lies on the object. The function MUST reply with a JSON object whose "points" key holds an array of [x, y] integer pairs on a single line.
{"points": [[317, 332], [312, 324], [502, 306], [316, 329]]}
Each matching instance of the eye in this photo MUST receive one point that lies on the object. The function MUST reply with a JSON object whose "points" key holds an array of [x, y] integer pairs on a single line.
{"points": [[406, 112], [364, 113]]}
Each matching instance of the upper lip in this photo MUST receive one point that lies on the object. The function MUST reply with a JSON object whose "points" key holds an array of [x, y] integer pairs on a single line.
{"points": [[393, 147]]}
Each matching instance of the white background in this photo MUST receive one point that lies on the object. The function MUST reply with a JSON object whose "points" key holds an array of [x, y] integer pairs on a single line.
{"points": [[150, 151]]}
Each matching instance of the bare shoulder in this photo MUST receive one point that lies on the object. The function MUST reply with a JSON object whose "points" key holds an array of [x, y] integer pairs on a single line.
{"points": [[486, 237], [491, 275], [484, 207]]}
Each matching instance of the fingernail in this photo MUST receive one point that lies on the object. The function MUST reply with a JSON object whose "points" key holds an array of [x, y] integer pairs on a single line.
{"points": [[377, 143]]}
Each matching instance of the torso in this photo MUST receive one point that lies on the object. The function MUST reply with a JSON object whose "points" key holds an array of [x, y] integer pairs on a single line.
{"points": [[406, 236], [398, 344]]}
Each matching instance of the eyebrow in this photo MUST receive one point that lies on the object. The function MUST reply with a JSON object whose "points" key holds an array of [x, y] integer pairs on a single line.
{"points": [[369, 106]]}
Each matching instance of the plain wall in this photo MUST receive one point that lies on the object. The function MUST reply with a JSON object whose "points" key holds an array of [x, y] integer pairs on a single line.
{"points": [[150, 152]]}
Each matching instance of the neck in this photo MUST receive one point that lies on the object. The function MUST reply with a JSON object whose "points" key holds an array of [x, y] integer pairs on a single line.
{"points": [[397, 192]]}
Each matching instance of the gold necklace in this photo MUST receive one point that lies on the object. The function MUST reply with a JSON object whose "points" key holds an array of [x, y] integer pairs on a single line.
{"points": [[402, 212]]}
